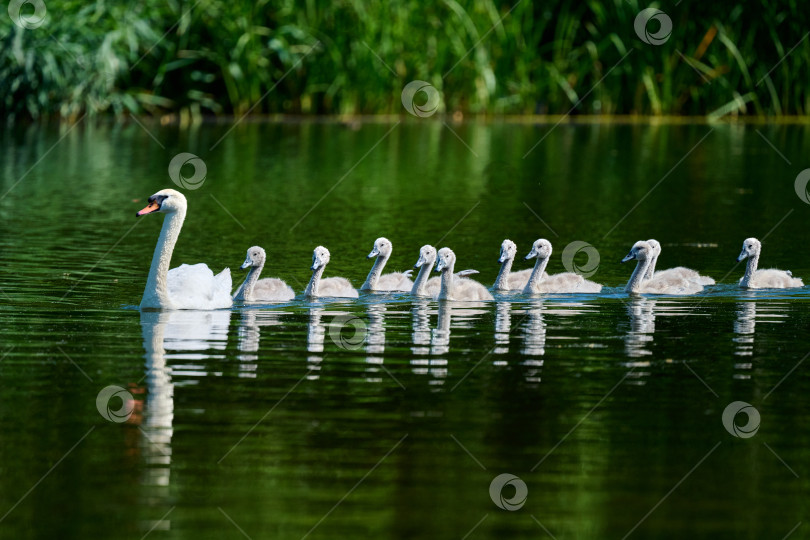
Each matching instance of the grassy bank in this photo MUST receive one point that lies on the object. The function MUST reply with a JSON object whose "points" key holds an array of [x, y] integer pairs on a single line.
{"points": [[351, 57]]}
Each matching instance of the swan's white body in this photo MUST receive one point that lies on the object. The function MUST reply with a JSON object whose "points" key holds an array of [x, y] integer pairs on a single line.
{"points": [[454, 287], [658, 284], [763, 279], [672, 273], [508, 280], [337, 287], [254, 289], [187, 286], [424, 285], [395, 281], [564, 283]]}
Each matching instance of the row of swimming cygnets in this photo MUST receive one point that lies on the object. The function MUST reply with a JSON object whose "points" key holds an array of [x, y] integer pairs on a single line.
{"points": [[196, 286]]}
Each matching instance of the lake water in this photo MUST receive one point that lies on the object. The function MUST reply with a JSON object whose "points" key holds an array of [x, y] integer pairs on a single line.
{"points": [[281, 421]]}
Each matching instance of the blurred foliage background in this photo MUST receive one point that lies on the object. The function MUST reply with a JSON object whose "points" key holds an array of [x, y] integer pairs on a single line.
{"points": [[354, 57]]}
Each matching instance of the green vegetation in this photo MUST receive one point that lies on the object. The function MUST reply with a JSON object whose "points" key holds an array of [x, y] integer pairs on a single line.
{"points": [[354, 57]]}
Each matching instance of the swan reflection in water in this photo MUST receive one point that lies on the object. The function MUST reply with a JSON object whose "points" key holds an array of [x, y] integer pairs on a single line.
{"points": [[744, 328], [642, 328], [315, 336], [503, 326], [749, 312], [347, 331], [427, 342], [188, 336], [248, 337], [375, 341]]}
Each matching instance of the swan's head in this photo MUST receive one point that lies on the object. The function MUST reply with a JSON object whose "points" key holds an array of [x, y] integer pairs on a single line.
{"points": [[166, 201], [641, 250], [540, 249], [382, 248], [320, 257], [508, 251], [446, 259], [255, 257], [750, 248], [655, 246], [427, 255]]}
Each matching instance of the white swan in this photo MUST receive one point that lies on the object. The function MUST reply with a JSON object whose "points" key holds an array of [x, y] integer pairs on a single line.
{"points": [[395, 281], [254, 289], [187, 286], [456, 288], [334, 286], [643, 253], [422, 286], [678, 271], [508, 280], [763, 279], [564, 283]]}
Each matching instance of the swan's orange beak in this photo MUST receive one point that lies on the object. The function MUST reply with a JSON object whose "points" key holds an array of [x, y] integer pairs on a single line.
{"points": [[151, 207]]}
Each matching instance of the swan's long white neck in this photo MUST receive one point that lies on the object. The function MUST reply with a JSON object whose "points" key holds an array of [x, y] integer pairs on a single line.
{"points": [[537, 273], [314, 282], [245, 290], [447, 281], [750, 268], [420, 284], [651, 270], [500, 281], [156, 292], [634, 285], [374, 275]]}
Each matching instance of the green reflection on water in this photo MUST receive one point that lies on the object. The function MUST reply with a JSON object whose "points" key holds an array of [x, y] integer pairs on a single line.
{"points": [[616, 399]]}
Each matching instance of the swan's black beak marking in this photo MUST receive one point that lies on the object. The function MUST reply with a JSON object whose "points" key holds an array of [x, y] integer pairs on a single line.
{"points": [[628, 257], [155, 202]]}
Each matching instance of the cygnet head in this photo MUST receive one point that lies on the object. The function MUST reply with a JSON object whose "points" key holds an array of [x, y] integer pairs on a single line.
{"points": [[427, 255], [166, 201], [508, 251], [255, 257], [655, 245], [382, 247], [320, 257], [540, 249], [641, 250], [446, 259], [750, 248]]}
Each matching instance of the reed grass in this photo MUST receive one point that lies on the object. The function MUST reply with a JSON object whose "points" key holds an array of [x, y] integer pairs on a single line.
{"points": [[354, 57]]}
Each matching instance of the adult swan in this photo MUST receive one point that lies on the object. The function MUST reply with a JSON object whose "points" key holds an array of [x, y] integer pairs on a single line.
{"points": [[187, 286]]}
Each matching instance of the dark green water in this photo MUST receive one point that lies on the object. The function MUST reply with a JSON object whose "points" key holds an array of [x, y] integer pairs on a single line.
{"points": [[266, 423]]}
